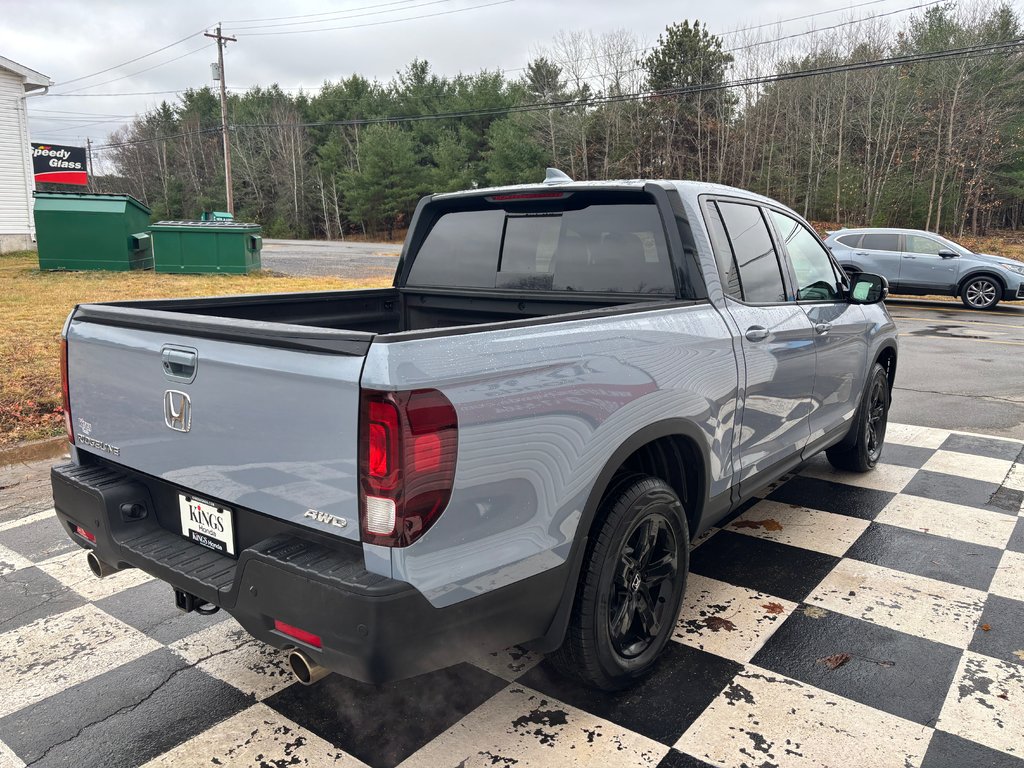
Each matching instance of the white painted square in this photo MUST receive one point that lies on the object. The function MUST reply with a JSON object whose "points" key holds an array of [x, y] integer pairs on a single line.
{"points": [[72, 570], [229, 653], [982, 468], [762, 718], [952, 521], [54, 653], [726, 620], [11, 561], [1009, 579], [800, 527], [986, 703], [936, 610], [884, 477], [519, 726], [256, 736], [921, 437]]}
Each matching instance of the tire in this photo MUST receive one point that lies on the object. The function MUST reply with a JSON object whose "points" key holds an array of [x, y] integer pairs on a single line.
{"points": [[860, 450], [981, 292], [631, 585]]}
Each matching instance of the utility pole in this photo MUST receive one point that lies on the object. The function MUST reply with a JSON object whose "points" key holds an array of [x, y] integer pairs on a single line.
{"points": [[222, 40], [88, 164]]}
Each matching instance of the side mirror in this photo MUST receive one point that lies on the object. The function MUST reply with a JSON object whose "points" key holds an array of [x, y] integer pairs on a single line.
{"points": [[866, 288], [946, 254]]}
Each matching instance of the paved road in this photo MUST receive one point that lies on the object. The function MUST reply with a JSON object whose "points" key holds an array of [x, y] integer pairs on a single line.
{"points": [[960, 369], [330, 258]]}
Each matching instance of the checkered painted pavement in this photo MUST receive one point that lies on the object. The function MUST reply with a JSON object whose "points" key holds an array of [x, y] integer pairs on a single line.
{"points": [[843, 620]]}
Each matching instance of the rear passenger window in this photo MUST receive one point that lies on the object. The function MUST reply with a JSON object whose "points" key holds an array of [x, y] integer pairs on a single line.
{"points": [[760, 274], [880, 242], [723, 254], [850, 241]]}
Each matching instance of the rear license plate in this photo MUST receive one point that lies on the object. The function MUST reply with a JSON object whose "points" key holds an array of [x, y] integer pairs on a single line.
{"points": [[205, 523]]}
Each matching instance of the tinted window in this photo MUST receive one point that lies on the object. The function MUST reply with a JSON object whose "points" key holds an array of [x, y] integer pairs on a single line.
{"points": [[880, 242], [460, 249], [755, 255], [816, 280], [600, 248], [850, 241], [918, 244], [723, 254]]}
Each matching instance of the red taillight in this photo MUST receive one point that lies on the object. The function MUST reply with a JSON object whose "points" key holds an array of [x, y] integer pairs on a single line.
{"points": [[84, 533], [407, 452], [64, 388], [299, 634]]}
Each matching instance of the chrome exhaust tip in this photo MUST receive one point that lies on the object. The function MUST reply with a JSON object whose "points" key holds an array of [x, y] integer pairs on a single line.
{"points": [[99, 568], [306, 670]]}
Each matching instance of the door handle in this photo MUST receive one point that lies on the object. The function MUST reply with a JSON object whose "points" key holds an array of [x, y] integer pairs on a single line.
{"points": [[756, 333], [822, 328], [908, 256], [179, 363]]}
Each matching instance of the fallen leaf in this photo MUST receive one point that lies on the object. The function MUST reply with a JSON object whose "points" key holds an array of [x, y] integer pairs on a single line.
{"points": [[814, 612], [773, 608], [768, 525], [836, 660], [715, 623], [985, 627], [1019, 654]]}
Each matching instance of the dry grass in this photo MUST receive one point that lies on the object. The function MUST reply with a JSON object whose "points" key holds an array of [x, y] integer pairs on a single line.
{"points": [[34, 305]]}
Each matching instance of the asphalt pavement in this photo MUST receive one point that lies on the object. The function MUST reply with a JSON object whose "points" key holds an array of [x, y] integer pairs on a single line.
{"points": [[960, 368]]}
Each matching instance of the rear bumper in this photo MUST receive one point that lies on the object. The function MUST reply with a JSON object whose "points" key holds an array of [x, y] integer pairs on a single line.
{"points": [[373, 628]]}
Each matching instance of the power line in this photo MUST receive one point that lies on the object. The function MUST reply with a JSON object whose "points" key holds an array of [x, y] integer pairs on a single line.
{"points": [[326, 13], [381, 23], [344, 16], [132, 61], [975, 51], [137, 72]]}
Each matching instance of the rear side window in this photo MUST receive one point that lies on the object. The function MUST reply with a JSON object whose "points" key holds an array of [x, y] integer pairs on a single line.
{"points": [[880, 241], [760, 273], [850, 241], [615, 248]]}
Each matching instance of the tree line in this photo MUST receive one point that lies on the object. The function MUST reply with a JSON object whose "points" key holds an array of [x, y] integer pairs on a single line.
{"points": [[812, 120]]}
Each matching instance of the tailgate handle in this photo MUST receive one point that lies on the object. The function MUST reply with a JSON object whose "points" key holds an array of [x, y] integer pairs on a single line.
{"points": [[180, 363]]}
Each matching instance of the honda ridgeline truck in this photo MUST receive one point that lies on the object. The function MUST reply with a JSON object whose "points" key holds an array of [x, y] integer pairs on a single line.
{"points": [[515, 443]]}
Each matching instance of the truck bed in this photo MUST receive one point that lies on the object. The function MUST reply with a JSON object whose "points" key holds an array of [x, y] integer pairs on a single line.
{"points": [[342, 321]]}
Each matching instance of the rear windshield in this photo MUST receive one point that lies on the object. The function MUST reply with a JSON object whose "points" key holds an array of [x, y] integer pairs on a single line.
{"points": [[613, 248]]}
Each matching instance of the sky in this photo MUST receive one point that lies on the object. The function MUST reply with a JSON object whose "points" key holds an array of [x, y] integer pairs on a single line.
{"points": [[71, 39]]}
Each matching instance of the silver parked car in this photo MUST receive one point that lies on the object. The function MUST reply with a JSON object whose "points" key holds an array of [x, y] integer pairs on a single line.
{"points": [[921, 263]]}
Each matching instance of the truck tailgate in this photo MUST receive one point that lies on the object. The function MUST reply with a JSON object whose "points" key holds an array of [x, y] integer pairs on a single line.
{"points": [[269, 429]]}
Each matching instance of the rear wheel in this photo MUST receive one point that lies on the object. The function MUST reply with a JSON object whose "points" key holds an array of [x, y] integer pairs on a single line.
{"points": [[631, 585], [861, 449], [981, 293]]}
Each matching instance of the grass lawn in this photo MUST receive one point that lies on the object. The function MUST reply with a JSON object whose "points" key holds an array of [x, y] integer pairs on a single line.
{"points": [[34, 305]]}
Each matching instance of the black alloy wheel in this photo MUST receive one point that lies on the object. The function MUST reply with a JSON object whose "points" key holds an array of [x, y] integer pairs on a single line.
{"points": [[642, 585]]}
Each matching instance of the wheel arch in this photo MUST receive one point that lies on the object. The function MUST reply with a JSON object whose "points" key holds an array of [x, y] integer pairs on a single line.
{"points": [[982, 272], [887, 357], [652, 449]]}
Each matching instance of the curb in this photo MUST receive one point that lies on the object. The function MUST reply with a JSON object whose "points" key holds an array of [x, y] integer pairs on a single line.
{"points": [[34, 450]]}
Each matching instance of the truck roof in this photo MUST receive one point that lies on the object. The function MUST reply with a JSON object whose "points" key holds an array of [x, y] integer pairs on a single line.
{"points": [[687, 188]]}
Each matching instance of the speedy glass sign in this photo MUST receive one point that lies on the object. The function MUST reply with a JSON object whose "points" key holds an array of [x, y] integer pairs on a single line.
{"points": [[55, 164]]}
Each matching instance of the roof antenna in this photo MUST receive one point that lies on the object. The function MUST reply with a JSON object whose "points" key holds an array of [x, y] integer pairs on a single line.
{"points": [[555, 176]]}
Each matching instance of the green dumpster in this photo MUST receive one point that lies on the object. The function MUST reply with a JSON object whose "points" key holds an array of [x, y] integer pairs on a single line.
{"points": [[78, 230], [206, 246]]}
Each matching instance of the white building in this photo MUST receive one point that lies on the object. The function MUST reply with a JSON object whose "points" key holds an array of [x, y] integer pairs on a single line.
{"points": [[17, 229]]}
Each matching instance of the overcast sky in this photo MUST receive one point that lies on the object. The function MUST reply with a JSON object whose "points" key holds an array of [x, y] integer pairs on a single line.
{"points": [[68, 39]]}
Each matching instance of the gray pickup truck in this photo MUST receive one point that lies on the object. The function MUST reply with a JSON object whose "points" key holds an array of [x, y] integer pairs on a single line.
{"points": [[516, 443]]}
